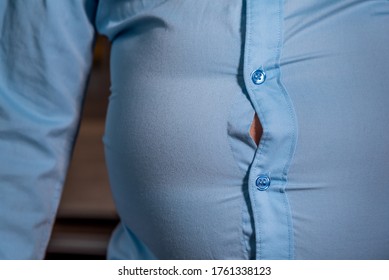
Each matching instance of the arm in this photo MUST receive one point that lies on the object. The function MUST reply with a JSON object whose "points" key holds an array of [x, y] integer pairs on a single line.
{"points": [[45, 58]]}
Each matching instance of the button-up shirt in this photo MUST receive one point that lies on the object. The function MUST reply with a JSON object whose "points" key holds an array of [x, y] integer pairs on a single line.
{"points": [[187, 79]]}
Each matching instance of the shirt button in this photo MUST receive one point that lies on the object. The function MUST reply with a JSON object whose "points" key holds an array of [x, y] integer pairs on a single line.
{"points": [[263, 182], [258, 76]]}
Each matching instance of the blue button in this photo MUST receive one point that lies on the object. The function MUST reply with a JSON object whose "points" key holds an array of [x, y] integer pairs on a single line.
{"points": [[263, 182], [258, 76]]}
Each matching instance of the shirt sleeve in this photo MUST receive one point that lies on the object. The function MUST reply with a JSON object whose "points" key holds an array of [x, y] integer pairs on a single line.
{"points": [[45, 59]]}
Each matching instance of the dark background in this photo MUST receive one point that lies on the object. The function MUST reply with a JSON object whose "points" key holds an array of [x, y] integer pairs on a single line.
{"points": [[87, 216]]}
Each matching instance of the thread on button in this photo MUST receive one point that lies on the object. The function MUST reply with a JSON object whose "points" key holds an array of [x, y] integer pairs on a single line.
{"points": [[256, 130], [263, 182], [258, 76]]}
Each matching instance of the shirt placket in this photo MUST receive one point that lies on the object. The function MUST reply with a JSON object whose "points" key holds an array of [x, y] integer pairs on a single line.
{"points": [[268, 172]]}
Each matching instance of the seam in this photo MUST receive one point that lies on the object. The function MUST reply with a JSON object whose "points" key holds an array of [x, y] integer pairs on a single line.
{"points": [[293, 137], [257, 230], [247, 60], [242, 239]]}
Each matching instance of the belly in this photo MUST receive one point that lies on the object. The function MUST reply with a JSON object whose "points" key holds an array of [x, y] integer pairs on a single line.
{"points": [[174, 178], [335, 68]]}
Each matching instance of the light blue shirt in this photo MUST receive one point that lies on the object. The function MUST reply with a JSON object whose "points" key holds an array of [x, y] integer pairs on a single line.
{"points": [[187, 78]]}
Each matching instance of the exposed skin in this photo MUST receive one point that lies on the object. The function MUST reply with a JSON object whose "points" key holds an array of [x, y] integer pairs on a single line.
{"points": [[256, 130]]}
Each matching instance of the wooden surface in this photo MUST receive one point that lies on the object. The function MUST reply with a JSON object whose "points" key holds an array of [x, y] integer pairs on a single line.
{"points": [[87, 193]]}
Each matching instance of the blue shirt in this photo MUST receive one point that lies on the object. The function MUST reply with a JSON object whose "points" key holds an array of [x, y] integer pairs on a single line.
{"points": [[187, 79]]}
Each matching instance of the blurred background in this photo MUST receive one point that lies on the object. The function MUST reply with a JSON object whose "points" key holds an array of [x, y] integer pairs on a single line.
{"points": [[86, 215]]}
